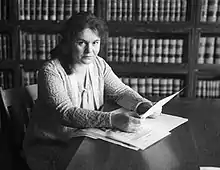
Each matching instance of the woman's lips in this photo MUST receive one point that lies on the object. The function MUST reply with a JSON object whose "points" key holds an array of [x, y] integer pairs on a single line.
{"points": [[88, 56]]}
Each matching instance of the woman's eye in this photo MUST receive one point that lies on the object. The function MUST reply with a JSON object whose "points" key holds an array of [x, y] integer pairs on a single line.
{"points": [[80, 43], [96, 42]]}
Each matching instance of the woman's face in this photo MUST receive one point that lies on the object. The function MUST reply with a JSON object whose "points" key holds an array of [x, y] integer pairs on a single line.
{"points": [[86, 46]]}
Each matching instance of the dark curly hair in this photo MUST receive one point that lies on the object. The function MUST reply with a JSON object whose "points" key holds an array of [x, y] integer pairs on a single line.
{"points": [[80, 21]]}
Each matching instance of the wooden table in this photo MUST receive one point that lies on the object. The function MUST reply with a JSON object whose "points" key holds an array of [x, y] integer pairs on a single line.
{"points": [[204, 125], [175, 152]]}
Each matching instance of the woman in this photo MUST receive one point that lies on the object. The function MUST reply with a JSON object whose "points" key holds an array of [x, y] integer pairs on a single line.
{"points": [[72, 86]]}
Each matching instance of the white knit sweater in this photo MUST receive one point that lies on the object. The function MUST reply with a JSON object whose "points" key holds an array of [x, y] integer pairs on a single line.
{"points": [[57, 111]]}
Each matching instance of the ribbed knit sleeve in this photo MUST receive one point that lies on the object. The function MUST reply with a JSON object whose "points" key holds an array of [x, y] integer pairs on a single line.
{"points": [[53, 91]]}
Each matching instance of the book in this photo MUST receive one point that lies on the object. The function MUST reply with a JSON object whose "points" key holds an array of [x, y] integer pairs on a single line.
{"points": [[204, 8]]}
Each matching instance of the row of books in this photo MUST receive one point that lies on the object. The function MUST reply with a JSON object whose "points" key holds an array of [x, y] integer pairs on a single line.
{"points": [[6, 79], [128, 49], [37, 46], [121, 10], [209, 50], [210, 11], [154, 86], [120, 49], [29, 77], [4, 9], [52, 9], [147, 10], [146, 86], [149, 86], [208, 89], [5, 47]]}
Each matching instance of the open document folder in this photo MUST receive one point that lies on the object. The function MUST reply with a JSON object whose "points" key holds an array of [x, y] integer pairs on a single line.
{"points": [[151, 132]]}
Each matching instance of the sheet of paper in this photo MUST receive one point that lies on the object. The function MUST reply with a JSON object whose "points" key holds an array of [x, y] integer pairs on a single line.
{"points": [[117, 135], [164, 122], [155, 136], [96, 133], [146, 140], [159, 104], [82, 133], [129, 138], [119, 143]]}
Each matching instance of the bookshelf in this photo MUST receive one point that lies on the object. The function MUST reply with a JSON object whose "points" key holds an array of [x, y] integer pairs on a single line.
{"points": [[160, 36], [154, 48], [160, 40], [206, 63]]}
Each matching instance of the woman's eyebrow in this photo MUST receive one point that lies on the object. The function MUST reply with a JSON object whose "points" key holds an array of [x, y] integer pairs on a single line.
{"points": [[79, 39]]}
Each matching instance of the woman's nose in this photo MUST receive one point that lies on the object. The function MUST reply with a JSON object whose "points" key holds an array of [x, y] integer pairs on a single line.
{"points": [[89, 48]]}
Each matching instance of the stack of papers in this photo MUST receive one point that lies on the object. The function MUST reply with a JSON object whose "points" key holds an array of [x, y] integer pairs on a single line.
{"points": [[129, 140], [152, 130]]}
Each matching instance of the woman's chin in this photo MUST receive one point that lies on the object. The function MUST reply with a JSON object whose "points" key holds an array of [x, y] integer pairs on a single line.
{"points": [[87, 60]]}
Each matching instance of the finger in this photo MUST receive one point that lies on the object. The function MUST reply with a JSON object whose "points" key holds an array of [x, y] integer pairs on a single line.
{"points": [[134, 128], [150, 104], [134, 114], [134, 120], [152, 116]]}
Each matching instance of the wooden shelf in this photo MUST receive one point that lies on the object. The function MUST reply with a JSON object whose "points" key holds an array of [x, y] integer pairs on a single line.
{"points": [[209, 28], [128, 27], [8, 64], [213, 68], [142, 68], [209, 24], [40, 26], [3, 22], [4, 26], [31, 64]]}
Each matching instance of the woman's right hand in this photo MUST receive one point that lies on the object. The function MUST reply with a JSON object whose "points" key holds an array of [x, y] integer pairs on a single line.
{"points": [[125, 122]]}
